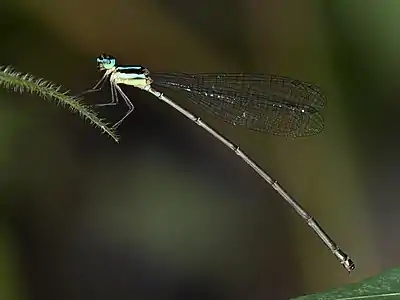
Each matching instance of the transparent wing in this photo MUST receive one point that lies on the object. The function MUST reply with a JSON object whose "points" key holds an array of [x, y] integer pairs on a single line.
{"points": [[266, 103]]}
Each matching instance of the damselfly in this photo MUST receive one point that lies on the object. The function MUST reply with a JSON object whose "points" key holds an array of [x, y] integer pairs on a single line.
{"points": [[266, 103]]}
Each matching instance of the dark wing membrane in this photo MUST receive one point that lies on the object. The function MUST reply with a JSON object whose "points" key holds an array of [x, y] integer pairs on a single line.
{"points": [[273, 104]]}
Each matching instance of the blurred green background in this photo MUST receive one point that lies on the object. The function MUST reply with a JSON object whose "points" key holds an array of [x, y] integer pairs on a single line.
{"points": [[169, 213]]}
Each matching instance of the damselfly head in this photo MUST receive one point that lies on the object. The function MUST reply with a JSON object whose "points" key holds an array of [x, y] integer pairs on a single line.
{"points": [[105, 62]]}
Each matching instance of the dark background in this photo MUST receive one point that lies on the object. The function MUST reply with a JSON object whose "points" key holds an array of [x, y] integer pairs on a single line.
{"points": [[169, 213]]}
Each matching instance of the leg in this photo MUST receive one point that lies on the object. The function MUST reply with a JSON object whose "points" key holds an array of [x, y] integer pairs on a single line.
{"points": [[114, 97], [128, 103], [99, 85]]}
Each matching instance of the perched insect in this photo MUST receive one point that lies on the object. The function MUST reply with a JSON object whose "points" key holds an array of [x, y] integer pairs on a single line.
{"points": [[266, 103]]}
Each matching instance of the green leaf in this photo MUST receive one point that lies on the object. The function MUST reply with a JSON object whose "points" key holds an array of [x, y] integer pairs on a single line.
{"points": [[18, 82], [385, 286]]}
